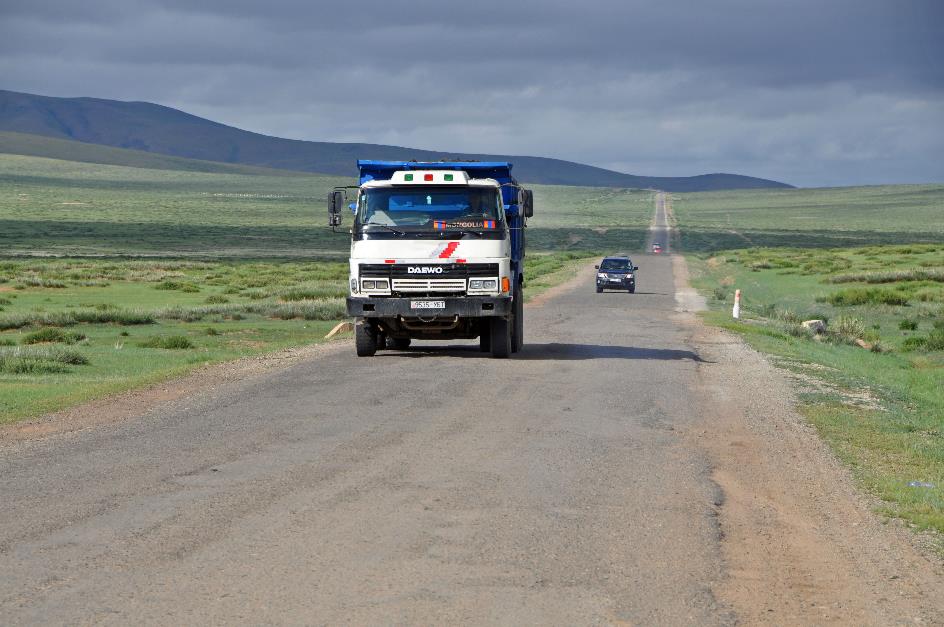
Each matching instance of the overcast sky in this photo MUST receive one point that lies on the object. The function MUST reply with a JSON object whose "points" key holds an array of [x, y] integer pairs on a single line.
{"points": [[810, 92]]}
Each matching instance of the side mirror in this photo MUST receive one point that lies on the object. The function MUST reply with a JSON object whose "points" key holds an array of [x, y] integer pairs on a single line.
{"points": [[597, 267], [527, 199], [635, 268], [335, 202]]}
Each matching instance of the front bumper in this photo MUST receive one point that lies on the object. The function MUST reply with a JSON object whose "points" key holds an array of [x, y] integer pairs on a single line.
{"points": [[464, 307], [622, 284]]}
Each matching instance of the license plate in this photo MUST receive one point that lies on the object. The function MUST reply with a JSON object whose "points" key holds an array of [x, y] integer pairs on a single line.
{"points": [[427, 304]]}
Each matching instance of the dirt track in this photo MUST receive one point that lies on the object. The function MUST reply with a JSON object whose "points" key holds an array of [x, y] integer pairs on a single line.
{"points": [[630, 465]]}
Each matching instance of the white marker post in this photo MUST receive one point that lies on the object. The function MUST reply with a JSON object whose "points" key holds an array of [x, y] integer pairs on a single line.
{"points": [[737, 304]]}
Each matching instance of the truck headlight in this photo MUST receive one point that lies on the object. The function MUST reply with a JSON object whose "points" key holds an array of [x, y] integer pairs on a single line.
{"points": [[601, 275], [483, 284], [629, 276], [371, 285]]}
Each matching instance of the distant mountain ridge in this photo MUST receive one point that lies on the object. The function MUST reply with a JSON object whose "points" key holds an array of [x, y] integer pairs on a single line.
{"points": [[163, 130]]}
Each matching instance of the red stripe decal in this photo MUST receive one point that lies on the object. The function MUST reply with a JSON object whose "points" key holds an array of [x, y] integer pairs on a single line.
{"points": [[450, 248]]}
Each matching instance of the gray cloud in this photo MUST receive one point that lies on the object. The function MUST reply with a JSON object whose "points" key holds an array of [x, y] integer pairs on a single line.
{"points": [[811, 92]]}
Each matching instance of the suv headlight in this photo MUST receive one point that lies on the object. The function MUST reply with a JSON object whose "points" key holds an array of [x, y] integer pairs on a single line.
{"points": [[601, 275]]}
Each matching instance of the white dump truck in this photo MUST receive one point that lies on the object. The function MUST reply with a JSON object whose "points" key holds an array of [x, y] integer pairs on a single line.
{"points": [[437, 253]]}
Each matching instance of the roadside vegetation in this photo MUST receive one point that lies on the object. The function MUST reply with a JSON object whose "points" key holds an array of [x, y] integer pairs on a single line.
{"points": [[871, 379], [114, 277]]}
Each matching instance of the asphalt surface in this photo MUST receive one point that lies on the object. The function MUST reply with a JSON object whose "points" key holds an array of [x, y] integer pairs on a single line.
{"points": [[429, 486]]}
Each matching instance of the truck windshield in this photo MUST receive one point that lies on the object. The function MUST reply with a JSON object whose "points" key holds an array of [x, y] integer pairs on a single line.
{"points": [[431, 208]]}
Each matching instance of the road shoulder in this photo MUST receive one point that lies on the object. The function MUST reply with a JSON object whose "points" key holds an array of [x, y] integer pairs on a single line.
{"points": [[140, 401], [801, 545]]}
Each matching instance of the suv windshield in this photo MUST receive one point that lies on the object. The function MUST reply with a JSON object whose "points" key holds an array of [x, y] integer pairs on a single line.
{"points": [[615, 264], [431, 208]]}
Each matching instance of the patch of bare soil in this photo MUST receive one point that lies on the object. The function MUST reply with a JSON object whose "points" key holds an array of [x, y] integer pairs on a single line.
{"points": [[138, 402], [800, 544]]}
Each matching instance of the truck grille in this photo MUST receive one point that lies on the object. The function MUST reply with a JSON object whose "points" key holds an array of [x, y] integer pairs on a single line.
{"points": [[452, 271], [428, 285]]}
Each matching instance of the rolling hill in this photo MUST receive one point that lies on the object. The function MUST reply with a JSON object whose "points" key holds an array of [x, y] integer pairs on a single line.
{"points": [[153, 128]]}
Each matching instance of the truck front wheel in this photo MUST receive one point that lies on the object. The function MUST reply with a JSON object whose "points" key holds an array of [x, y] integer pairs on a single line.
{"points": [[365, 338], [501, 337], [485, 337], [517, 330]]}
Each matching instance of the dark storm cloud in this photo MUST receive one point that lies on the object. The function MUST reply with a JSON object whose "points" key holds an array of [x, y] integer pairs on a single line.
{"points": [[808, 92]]}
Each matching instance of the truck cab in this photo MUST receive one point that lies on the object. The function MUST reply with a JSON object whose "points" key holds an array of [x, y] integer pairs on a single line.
{"points": [[437, 253]]}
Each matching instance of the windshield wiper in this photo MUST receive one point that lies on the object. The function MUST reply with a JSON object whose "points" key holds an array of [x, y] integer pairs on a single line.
{"points": [[464, 232], [389, 228]]}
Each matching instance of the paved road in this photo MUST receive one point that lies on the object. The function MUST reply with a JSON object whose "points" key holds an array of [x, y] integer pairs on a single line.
{"points": [[435, 485]]}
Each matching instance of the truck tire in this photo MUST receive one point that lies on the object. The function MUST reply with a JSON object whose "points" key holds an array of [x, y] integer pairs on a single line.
{"points": [[517, 330], [632, 290], [365, 338], [501, 337], [400, 343], [599, 290], [485, 337]]}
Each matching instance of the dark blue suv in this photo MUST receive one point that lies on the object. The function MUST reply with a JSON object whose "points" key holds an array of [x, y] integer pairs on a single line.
{"points": [[616, 273]]}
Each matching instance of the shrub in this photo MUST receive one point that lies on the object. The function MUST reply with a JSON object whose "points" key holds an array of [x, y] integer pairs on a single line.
{"points": [[50, 335], [914, 343], [720, 294], [216, 299], [211, 331], [5, 341], [906, 324], [865, 296], [935, 341], [171, 342], [845, 329], [14, 365], [798, 330], [5, 301], [177, 285], [300, 293], [894, 276], [38, 359]]}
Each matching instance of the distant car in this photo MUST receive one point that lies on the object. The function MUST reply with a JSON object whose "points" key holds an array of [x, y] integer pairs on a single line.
{"points": [[616, 273], [656, 249]]}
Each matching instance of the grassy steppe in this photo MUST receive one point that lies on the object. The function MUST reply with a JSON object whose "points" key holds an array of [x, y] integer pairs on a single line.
{"points": [[811, 218], [881, 406], [114, 276]]}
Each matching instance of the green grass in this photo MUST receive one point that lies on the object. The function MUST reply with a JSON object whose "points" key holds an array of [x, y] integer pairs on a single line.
{"points": [[811, 218]]}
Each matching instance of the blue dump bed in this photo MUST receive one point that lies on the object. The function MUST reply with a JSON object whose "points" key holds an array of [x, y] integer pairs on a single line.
{"points": [[498, 170]]}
